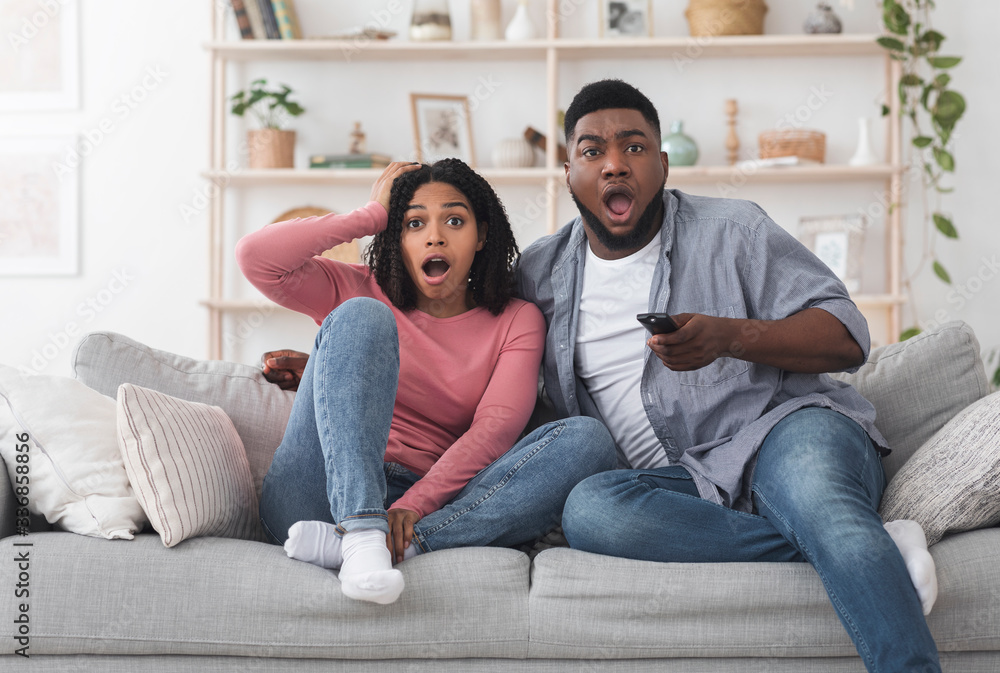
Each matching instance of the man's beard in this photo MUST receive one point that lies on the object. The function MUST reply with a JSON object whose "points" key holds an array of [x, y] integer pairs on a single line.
{"points": [[632, 240]]}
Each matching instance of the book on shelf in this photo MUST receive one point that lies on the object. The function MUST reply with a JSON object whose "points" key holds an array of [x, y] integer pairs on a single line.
{"points": [[369, 160], [288, 22], [242, 20], [255, 18], [270, 22]]}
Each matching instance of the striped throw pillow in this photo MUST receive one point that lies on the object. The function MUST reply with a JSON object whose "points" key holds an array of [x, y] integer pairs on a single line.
{"points": [[187, 466]]}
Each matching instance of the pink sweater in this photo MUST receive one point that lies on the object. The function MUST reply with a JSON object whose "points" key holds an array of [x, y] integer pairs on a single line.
{"points": [[467, 384]]}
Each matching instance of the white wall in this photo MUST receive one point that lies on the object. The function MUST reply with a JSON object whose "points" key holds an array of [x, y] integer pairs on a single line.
{"points": [[142, 172]]}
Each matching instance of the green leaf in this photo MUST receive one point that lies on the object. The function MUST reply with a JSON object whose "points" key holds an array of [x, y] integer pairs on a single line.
{"points": [[944, 159], [996, 378], [942, 62], [942, 80], [895, 18], [891, 43], [950, 105], [940, 272], [932, 39], [911, 80], [909, 333], [944, 190], [945, 226], [885, 110], [922, 141]]}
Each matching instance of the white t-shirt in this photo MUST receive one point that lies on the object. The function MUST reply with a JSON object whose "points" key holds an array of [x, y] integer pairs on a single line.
{"points": [[611, 345]]}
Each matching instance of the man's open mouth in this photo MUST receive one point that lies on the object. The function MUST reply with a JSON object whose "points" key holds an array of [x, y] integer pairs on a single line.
{"points": [[618, 200]]}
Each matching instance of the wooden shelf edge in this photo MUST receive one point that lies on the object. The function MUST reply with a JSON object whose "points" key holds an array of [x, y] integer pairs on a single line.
{"points": [[725, 46]]}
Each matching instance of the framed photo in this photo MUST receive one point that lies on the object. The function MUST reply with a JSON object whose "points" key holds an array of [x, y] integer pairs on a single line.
{"points": [[838, 242], [40, 64], [626, 18], [39, 207], [442, 127]]}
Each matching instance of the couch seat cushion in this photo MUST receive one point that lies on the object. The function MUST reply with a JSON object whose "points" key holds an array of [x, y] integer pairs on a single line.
{"points": [[235, 597], [585, 605]]}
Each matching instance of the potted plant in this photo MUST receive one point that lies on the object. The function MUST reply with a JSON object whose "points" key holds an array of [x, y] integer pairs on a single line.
{"points": [[270, 146]]}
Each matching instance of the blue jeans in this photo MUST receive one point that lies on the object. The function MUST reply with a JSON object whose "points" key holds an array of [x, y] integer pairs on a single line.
{"points": [[331, 465], [817, 486]]}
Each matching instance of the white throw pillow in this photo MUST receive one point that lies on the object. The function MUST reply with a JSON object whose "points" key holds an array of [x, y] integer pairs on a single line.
{"points": [[73, 472], [187, 465], [952, 482]]}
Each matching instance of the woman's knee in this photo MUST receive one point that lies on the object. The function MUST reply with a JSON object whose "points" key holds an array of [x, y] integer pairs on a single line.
{"points": [[590, 443], [373, 314]]}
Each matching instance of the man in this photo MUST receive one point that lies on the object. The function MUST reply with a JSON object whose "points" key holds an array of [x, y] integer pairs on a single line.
{"points": [[741, 448]]}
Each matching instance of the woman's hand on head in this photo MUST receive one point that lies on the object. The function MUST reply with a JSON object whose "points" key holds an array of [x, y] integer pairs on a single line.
{"points": [[383, 185], [400, 532], [284, 367]]}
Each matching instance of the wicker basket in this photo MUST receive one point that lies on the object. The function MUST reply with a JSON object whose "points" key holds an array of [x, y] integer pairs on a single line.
{"points": [[709, 18], [801, 143]]}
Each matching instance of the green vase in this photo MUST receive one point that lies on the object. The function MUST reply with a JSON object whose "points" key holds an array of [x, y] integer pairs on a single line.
{"points": [[680, 147]]}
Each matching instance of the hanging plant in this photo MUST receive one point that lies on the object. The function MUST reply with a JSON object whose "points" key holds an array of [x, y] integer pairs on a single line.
{"points": [[932, 109]]}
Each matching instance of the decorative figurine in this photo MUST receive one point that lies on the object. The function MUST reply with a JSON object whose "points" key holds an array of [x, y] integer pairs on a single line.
{"points": [[822, 20]]}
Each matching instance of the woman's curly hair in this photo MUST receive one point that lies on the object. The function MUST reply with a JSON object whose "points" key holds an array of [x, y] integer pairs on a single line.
{"points": [[491, 277]]}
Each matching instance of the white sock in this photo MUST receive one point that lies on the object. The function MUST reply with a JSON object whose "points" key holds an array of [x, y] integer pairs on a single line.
{"points": [[315, 542], [367, 573], [912, 543], [411, 551]]}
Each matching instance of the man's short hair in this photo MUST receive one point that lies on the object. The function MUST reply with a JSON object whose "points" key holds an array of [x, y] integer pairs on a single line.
{"points": [[609, 94]]}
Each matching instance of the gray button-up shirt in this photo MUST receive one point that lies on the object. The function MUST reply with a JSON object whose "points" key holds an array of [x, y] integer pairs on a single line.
{"points": [[719, 257]]}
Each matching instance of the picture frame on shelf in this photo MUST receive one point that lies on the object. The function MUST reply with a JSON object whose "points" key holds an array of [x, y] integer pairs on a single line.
{"points": [[41, 70], [838, 241], [442, 127], [39, 220], [626, 18]]}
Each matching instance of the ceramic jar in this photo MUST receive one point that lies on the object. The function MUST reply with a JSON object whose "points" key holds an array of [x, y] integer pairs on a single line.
{"points": [[822, 20], [485, 19], [681, 149], [431, 21], [513, 153]]}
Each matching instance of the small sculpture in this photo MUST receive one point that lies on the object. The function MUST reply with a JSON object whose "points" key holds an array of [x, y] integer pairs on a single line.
{"points": [[732, 140], [358, 141]]}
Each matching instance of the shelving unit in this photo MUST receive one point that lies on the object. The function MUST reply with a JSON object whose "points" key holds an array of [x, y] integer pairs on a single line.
{"points": [[553, 50]]}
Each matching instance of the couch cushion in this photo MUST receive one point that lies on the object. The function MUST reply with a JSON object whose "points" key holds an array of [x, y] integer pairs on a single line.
{"points": [[258, 409], [234, 597], [919, 384], [952, 483], [57, 439], [584, 605], [187, 465]]}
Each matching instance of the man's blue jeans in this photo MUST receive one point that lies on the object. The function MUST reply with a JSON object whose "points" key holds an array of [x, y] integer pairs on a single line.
{"points": [[817, 486], [330, 464]]}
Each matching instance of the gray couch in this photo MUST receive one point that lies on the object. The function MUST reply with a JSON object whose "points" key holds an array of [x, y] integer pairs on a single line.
{"points": [[237, 605]]}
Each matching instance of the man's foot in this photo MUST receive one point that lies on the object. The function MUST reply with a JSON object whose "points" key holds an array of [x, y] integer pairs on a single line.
{"points": [[912, 543], [367, 573], [315, 542]]}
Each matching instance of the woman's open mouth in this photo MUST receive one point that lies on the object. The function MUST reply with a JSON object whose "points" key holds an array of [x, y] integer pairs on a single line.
{"points": [[618, 202], [435, 269]]}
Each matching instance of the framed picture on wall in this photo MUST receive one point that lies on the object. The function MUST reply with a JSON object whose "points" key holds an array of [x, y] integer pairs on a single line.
{"points": [[442, 127], [39, 206], [40, 61], [838, 242], [626, 18]]}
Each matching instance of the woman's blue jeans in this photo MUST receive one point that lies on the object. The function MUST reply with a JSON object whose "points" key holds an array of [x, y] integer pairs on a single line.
{"points": [[330, 464], [817, 487]]}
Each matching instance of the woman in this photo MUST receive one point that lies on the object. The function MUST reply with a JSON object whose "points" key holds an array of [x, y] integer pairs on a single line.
{"points": [[422, 376]]}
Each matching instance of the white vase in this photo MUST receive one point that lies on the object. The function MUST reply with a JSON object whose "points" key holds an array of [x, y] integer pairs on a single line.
{"points": [[520, 27], [864, 155], [513, 153]]}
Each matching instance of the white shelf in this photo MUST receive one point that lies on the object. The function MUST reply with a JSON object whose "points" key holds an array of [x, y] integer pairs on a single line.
{"points": [[680, 175], [728, 46]]}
